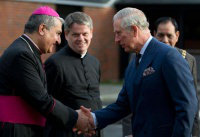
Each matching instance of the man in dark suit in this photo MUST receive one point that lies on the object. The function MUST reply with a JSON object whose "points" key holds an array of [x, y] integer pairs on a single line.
{"points": [[24, 101], [166, 31], [73, 74], [158, 88]]}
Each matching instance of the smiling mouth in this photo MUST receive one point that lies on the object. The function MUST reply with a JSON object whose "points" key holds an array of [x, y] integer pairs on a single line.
{"points": [[81, 44]]}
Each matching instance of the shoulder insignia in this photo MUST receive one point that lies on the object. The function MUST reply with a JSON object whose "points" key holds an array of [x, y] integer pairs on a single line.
{"points": [[184, 53]]}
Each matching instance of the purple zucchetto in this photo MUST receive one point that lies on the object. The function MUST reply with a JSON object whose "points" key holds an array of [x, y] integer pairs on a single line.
{"points": [[45, 10]]}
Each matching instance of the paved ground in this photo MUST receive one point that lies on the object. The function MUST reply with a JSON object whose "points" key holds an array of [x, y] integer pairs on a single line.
{"points": [[114, 130], [108, 95]]}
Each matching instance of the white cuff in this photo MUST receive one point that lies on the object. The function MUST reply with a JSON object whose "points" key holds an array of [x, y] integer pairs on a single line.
{"points": [[95, 120]]}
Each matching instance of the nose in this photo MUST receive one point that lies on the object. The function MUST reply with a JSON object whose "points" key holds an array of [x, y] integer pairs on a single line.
{"points": [[117, 39], [80, 37], [59, 40], [165, 40]]}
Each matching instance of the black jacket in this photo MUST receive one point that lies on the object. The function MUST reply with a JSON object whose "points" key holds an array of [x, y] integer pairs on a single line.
{"points": [[22, 74], [74, 81]]}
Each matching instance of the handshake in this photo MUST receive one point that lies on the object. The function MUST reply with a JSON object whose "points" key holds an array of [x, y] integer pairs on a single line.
{"points": [[85, 123]]}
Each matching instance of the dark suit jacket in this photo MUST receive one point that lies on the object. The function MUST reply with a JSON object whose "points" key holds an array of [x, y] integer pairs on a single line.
{"points": [[163, 104], [126, 122], [22, 74]]}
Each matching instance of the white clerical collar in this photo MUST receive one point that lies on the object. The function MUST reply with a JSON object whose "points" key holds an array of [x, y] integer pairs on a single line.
{"points": [[83, 55]]}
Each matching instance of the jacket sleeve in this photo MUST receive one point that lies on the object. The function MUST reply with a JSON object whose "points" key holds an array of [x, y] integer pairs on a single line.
{"points": [[194, 72], [115, 111], [25, 75], [195, 129]]}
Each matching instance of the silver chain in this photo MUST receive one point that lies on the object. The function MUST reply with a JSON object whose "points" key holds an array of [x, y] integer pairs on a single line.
{"points": [[27, 43]]}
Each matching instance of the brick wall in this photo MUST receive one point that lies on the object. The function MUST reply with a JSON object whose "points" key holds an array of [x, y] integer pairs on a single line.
{"points": [[13, 16], [103, 45]]}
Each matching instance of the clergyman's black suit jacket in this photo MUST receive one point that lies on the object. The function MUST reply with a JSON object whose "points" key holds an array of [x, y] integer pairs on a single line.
{"points": [[22, 74]]}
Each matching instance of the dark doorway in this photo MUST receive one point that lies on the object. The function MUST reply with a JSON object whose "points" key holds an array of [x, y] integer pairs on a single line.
{"points": [[63, 11]]}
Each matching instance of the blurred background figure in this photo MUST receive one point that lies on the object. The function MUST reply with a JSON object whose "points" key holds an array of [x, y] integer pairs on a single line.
{"points": [[166, 31]]}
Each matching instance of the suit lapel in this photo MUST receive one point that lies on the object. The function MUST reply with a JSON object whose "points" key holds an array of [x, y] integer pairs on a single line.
{"points": [[147, 58]]}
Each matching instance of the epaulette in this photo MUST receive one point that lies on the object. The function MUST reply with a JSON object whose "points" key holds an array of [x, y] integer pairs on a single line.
{"points": [[184, 53]]}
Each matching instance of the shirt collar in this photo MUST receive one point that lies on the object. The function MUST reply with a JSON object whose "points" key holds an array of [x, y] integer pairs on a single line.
{"points": [[145, 45], [68, 48], [83, 55]]}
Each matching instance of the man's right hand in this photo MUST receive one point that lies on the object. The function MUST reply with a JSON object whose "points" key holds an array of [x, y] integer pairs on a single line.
{"points": [[87, 112], [84, 123]]}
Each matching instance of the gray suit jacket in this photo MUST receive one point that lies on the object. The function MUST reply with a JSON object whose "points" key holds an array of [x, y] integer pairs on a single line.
{"points": [[193, 67]]}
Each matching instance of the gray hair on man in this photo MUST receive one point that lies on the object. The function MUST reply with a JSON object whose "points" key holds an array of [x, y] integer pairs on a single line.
{"points": [[132, 16], [79, 18], [35, 21]]}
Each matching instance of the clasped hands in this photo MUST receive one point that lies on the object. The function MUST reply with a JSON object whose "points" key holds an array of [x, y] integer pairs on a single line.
{"points": [[85, 122]]}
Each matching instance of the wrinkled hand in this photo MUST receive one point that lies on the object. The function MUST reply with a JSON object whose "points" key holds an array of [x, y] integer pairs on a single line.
{"points": [[82, 123], [85, 122], [87, 112]]}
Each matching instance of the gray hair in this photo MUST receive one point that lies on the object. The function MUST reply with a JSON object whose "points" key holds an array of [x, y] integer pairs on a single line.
{"points": [[79, 18], [35, 21], [132, 16]]}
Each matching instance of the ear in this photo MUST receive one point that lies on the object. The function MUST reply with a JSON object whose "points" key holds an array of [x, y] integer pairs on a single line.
{"points": [[134, 30], [177, 35], [42, 29], [154, 33], [66, 34], [91, 31]]}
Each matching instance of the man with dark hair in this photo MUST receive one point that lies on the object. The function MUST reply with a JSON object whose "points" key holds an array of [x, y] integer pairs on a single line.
{"points": [[166, 31], [73, 75], [24, 101]]}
